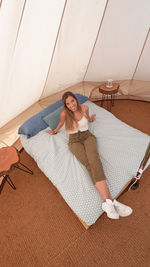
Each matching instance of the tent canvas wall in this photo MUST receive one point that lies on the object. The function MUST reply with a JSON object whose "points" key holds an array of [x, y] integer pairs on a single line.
{"points": [[49, 46]]}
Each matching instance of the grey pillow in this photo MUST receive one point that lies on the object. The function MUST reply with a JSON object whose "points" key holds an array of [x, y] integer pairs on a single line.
{"points": [[52, 119]]}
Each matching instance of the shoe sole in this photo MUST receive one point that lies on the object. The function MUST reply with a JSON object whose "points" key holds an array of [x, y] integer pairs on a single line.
{"points": [[125, 215], [114, 218]]}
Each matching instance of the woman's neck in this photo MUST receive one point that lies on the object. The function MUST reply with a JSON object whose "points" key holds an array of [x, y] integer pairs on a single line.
{"points": [[77, 115]]}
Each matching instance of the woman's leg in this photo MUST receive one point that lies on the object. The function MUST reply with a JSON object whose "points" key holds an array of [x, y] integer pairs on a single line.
{"points": [[94, 159], [103, 189], [112, 208], [96, 167], [78, 150]]}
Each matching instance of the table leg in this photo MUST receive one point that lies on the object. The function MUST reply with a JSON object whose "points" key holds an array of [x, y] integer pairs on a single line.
{"points": [[113, 99], [9, 181], [107, 103], [111, 102], [102, 100], [26, 169]]}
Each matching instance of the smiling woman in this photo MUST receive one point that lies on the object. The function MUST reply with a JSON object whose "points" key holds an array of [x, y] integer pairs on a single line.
{"points": [[71, 103], [83, 145]]}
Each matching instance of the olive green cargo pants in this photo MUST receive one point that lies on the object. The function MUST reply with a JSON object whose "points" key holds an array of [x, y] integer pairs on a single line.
{"points": [[84, 146]]}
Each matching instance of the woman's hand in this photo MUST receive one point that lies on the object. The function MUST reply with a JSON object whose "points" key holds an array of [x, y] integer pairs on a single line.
{"points": [[92, 118], [51, 132]]}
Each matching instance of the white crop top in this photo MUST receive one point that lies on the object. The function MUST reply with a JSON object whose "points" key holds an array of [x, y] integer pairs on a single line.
{"points": [[82, 126]]}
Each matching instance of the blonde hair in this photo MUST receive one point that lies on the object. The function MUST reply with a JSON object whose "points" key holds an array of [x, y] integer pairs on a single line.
{"points": [[70, 121]]}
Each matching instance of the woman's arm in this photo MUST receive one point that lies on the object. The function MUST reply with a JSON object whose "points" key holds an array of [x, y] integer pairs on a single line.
{"points": [[86, 110], [60, 124]]}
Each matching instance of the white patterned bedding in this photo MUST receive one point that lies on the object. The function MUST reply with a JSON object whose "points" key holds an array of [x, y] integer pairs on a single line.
{"points": [[121, 149]]}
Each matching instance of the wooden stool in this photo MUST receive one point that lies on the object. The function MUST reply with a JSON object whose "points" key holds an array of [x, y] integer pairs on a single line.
{"points": [[10, 159], [108, 91]]}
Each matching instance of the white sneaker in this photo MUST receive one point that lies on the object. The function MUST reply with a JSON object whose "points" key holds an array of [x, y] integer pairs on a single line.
{"points": [[122, 209], [109, 208]]}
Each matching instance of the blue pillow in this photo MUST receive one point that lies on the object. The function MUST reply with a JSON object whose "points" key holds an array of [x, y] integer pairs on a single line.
{"points": [[36, 123], [52, 119]]}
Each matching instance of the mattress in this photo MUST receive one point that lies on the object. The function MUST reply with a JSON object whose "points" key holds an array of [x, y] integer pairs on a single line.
{"points": [[121, 149]]}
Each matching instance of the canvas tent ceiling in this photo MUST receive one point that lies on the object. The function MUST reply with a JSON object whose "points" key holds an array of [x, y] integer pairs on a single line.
{"points": [[47, 46]]}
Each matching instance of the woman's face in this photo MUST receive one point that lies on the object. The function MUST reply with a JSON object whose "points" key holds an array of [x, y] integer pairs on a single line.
{"points": [[71, 103]]}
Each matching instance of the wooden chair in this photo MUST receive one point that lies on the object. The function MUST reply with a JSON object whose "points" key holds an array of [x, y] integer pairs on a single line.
{"points": [[10, 159]]}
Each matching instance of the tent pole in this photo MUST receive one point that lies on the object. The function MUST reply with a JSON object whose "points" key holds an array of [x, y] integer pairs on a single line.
{"points": [[54, 48], [96, 39], [140, 54]]}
